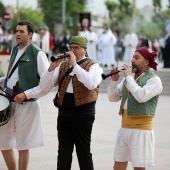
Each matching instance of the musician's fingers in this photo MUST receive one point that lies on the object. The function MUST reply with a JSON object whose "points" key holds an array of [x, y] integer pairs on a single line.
{"points": [[17, 100]]}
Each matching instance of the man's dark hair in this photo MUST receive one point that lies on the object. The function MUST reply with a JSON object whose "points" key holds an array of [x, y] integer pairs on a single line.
{"points": [[30, 26]]}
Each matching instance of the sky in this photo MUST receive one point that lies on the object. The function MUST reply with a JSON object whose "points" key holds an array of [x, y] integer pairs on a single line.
{"points": [[95, 6]]}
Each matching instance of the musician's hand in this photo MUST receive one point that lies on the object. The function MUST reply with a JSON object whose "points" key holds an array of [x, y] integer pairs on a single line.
{"points": [[55, 64], [72, 58], [20, 97], [127, 71], [115, 77]]}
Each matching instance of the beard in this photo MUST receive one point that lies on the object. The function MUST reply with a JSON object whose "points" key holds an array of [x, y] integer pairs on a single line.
{"points": [[135, 69]]}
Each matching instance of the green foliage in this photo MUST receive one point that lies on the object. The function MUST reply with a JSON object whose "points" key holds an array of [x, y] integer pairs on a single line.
{"points": [[148, 29], [34, 16], [119, 12], [168, 5], [53, 12], [157, 5], [2, 10]]}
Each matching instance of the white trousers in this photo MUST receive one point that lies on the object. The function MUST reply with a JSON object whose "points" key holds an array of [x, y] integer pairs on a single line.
{"points": [[136, 146]]}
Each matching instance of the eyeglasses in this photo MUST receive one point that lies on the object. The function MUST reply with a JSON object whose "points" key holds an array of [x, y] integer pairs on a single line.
{"points": [[73, 48]]}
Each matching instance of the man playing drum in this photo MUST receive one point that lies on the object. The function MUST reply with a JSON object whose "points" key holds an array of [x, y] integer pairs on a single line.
{"points": [[23, 131]]}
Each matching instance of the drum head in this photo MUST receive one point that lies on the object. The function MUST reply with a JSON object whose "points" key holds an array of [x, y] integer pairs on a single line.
{"points": [[4, 103]]}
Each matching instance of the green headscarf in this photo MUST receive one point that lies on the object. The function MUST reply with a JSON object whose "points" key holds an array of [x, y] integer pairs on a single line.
{"points": [[79, 40]]}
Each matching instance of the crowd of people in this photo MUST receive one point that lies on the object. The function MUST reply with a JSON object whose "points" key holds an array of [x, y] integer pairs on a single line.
{"points": [[6, 38], [30, 76], [109, 48], [104, 46]]}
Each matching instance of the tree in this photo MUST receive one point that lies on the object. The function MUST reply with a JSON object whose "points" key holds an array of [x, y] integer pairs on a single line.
{"points": [[2, 10], [120, 14], [157, 6], [53, 12], [34, 16], [160, 16]]}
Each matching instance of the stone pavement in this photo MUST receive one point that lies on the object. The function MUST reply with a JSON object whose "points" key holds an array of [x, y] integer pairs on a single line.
{"points": [[105, 129]]}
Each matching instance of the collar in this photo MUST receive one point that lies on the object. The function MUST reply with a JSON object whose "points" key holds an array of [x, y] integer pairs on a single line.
{"points": [[24, 48]]}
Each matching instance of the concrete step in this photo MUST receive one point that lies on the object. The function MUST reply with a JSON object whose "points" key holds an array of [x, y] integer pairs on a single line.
{"points": [[164, 74]]}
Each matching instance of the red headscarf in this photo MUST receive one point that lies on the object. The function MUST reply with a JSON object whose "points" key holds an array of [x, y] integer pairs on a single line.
{"points": [[150, 56]]}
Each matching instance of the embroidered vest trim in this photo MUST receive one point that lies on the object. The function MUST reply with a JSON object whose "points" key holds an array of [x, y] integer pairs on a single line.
{"points": [[82, 95]]}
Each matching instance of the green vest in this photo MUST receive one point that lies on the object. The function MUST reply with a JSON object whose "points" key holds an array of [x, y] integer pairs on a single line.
{"points": [[134, 108], [27, 67]]}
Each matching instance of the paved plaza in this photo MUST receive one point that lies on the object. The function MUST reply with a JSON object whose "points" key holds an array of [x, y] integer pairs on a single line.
{"points": [[105, 129]]}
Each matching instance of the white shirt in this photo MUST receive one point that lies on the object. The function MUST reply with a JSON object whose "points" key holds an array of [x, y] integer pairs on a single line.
{"points": [[90, 79], [152, 88]]}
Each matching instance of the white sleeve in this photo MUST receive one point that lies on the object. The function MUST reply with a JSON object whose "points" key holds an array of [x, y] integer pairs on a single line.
{"points": [[114, 39], [152, 88], [49, 79], [114, 91], [92, 78]]}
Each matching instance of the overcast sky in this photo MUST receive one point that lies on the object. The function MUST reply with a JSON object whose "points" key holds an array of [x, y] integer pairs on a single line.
{"points": [[95, 6]]}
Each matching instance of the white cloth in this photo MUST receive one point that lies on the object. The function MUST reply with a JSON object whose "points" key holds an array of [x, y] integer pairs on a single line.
{"points": [[35, 38], [1, 35], [90, 79], [84, 34], [24, 130], [137, 146], [92, 45], [107, 41], [130, 43], [99, 47], [44, 41], [162, 42]]}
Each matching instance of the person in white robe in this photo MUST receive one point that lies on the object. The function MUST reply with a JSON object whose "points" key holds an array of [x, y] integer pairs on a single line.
{"points": [[107, 40], [99, 48], [92, 44], [43, 42], [130, 43], [84, 32]]}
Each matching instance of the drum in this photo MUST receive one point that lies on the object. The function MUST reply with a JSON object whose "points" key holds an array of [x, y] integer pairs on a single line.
{"points": [[4, 110]]}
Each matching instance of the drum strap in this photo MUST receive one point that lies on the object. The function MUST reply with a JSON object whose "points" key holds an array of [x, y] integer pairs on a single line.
{"points": [[13, 69], [15, 66]]}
